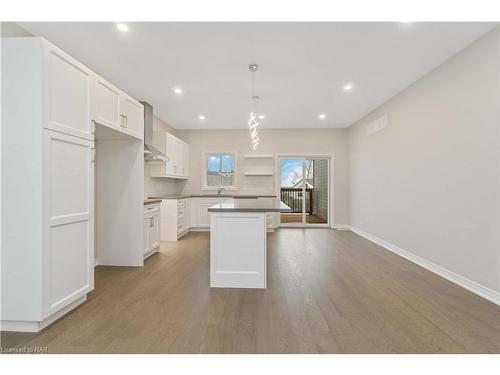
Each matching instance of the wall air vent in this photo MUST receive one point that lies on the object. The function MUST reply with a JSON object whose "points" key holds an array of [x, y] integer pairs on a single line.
{"points": [[376, 126]]}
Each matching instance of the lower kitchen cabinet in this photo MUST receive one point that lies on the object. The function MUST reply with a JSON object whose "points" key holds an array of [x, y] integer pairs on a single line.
{"points": [[175, 219], [199, 210], [179, 216], [151, 229], [69, 219]]}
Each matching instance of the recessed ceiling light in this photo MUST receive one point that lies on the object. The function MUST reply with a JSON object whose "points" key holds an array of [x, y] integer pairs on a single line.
{"points": [[202, 117], [322, 116], [262, 117], [122, 27], [177, 90], [348, 86]]}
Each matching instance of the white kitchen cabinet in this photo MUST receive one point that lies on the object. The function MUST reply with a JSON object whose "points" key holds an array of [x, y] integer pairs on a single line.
{"points": [[175, 218], [177, 151], [178, 154], [69, 200], [200, 217], [147, 223], [151, 229], [154, 231], [68, 180], [132, 113], [185, 160], [106, 103], [272, 218], [172, 151], [48, 172], [113, 108], [66, 91]]}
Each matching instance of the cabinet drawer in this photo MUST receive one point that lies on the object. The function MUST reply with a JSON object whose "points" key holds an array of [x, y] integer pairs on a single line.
{"points": [[180, 228], [151, 208]]}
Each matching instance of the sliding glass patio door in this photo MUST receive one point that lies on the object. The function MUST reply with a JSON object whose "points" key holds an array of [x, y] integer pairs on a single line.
{"points": [[304, 187]]}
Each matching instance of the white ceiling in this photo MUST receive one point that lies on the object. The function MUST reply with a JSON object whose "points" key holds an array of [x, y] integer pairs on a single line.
{"points": [[303, 66]]}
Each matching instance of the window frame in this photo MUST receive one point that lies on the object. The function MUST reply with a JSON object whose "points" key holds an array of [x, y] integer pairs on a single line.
{"points": [[204, 162]]}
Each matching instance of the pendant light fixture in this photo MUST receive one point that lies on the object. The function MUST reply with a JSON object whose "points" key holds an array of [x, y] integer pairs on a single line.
{"points": [[253, 122]]}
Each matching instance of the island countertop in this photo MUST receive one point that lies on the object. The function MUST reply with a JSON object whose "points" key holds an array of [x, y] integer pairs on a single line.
{"points": [[234, 196], [250, 205]]}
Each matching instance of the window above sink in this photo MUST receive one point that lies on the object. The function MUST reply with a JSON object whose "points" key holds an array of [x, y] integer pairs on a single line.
{"points": [[218, 170]]}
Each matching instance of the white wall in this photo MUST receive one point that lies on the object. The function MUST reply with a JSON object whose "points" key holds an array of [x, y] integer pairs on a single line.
{"points": [[273, 141], [11, 29], [428, 183]]}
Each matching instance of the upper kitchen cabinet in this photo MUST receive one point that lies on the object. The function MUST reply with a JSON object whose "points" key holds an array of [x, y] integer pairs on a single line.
{"points": [[132, 116], [115, 109], [106, 103], [177, 151], [66, 92]]}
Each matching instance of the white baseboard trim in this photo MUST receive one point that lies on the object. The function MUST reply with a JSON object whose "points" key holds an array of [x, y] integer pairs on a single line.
{"points": [[472, 286], [37, 326], [200, 229], [340, 226]]}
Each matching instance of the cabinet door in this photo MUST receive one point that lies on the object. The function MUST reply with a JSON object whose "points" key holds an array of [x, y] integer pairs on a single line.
{"points": [[67, 87], [154, 232], [171, 167], [202, 214], [185, 159], [106, 104], [187, 215], [132, 116], [147, 225], [68, 249]]}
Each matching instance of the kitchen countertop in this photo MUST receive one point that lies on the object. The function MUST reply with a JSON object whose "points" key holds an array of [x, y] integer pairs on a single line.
{"points": [[250, 205], [235, 196], [151, 201]]}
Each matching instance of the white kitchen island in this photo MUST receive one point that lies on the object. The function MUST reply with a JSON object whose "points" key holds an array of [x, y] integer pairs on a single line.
{"points": [[238, 242]]}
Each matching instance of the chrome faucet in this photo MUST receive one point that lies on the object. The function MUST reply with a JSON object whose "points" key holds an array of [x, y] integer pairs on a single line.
{"points": [[220, 190]]}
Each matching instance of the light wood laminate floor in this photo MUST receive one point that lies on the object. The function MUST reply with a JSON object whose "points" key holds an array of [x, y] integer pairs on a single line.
{"points": [[328, 292], [297, 218]]}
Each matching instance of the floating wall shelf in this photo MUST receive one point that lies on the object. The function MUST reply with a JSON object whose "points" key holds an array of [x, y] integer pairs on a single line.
{"points": [[258, 173], [258, 156]]}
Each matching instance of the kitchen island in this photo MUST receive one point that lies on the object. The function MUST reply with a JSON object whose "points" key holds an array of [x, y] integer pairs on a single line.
{"points": [[238, 248]]}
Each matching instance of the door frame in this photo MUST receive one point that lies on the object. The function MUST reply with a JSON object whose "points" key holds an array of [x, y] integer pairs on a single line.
{"points": [[331, 186]]}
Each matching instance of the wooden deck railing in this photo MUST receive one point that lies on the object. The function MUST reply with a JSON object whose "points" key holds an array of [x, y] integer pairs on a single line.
{"points": [[292, 197]]}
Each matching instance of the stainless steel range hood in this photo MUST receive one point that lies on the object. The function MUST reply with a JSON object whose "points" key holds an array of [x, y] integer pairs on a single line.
{"points": [[149, 148]]}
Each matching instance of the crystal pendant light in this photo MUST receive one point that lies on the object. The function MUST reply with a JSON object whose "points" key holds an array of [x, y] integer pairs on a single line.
{"points": [[253, 122]]}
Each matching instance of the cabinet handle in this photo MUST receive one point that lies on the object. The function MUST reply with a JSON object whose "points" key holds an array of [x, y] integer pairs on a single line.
{"points": [[126, 120]]}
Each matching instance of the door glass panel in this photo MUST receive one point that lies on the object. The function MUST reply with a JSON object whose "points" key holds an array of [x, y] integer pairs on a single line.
{"points": [[316, 190], [291, 189]]}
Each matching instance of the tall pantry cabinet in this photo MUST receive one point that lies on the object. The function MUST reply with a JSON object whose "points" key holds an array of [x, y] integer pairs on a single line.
{"points": [[47, 184]]}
